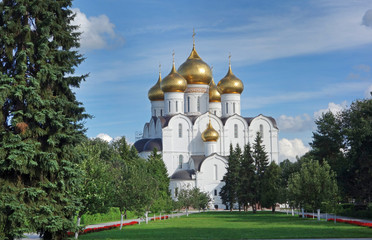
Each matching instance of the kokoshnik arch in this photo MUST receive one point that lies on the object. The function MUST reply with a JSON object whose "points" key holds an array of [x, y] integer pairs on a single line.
{"points": [[193, 123]]}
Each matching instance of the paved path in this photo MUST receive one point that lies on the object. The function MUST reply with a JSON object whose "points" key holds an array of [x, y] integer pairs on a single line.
{"points": [[33, 236]]}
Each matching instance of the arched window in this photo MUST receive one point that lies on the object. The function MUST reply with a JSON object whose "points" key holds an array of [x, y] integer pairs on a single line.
{"points": [[227, 108], [188, 104], [215, 172], [198, 104], [261, 130], [233, 107], [180, 161], [235, 130], [154, 112], [169, 106], [215, 112], [176, 106], [161, 112], [180, 130]]}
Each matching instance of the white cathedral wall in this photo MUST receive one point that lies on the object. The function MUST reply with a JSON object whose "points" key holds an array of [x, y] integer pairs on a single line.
{"points": [[240, 139], [192, 93], [269, 138], [157, 108], [180, 184], [230, 104], [197, 144], [146, 131], [176, 139], [152, 133], [215, 108], [210, 178]]}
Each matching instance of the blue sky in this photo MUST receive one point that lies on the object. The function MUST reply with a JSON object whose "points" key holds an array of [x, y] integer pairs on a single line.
{"points": [[296, 59]]}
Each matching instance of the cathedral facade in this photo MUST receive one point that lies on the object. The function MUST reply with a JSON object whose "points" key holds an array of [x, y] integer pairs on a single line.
{"points": [[193, 123]]}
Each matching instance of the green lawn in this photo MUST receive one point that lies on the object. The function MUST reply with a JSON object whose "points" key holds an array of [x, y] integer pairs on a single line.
{"points": [[226, 225]]}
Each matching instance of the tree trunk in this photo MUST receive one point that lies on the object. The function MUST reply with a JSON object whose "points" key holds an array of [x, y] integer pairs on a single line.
{"points": [[273, 208], [77, 225], [187, 212], [121, 220]]}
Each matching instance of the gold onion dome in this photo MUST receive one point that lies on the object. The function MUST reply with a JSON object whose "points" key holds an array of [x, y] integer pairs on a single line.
{"points": [[230, 83], [214, 92], [209, 134], [155, 93], [195, 70], [174, 82]]}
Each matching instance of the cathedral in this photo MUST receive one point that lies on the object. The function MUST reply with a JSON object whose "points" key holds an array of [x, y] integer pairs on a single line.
{"points": [[194, 121]]}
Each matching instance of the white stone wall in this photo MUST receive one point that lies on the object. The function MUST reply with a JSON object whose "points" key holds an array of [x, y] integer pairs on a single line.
{"points": [[230, 104], [192, 94], [173, 103], [215, 108], [230, 134], [157, 108]]}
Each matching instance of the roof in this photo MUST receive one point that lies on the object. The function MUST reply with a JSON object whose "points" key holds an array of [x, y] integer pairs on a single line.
{"points": [[198, 159], [148, 144], [183, 175], [165, 119]]}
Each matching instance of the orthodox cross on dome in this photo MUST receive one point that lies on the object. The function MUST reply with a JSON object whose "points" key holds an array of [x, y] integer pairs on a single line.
{"points": [[229, 59], [212, 68], [193, 37], [159, 68], [173, 55]]}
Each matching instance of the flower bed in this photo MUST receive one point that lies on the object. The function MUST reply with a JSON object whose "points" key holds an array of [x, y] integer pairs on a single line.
{"points": [[109, 227], [358, 223]]}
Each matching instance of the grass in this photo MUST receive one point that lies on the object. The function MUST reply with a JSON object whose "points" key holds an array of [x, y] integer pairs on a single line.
{"points": [[226, 225]]}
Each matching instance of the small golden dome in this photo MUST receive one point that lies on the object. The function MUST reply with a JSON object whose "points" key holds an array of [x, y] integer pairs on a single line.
{"points": [[214, 92], [155, 93], [209, 134], [230, 83], [195, 70], [174, 82]]}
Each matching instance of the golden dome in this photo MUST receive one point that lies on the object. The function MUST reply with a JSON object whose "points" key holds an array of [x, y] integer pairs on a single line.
{"points": [[209, 134], [174, 82], [155, 93], [214, 92], [195, 70], [230, 83]]}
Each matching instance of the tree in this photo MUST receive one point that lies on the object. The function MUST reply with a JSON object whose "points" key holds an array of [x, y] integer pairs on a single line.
{"points": [[247, 191], [40, 118], [185, 199], [357, 127], [95, 192], [200, 200], [261, 164], [132, 185], [229, 190], [161, 196], [328, 145], [315, 185], [273, 188]]}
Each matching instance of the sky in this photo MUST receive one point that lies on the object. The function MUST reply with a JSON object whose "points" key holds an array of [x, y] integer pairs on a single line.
{"points": [[297, 59]]}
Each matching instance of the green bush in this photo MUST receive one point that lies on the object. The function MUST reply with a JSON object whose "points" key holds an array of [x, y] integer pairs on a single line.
{"points": [[112, 215]]}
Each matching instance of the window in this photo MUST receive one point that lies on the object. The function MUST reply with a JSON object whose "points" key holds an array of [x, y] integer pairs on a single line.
{"points": [[176, 192], [180, 161], [180, 130], [161, 112], [154, 112], [215, 172], [188, 104], [233, 107], [198, 104], [215, 113], [261, 131], [235, 130], [227, 108], [176, 106], [169, 106], [215, 192]]}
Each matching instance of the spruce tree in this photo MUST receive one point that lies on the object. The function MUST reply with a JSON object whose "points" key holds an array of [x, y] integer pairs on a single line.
{"points": [[229, 192], [247, 191], [261, 162], [40, 119]]}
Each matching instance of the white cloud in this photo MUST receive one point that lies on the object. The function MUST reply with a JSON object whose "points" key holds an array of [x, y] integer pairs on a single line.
{"points": [[333, 107], [295, 124], [289, 149], [368, 93], [104, 137], [97, 32], [367, 18]]}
